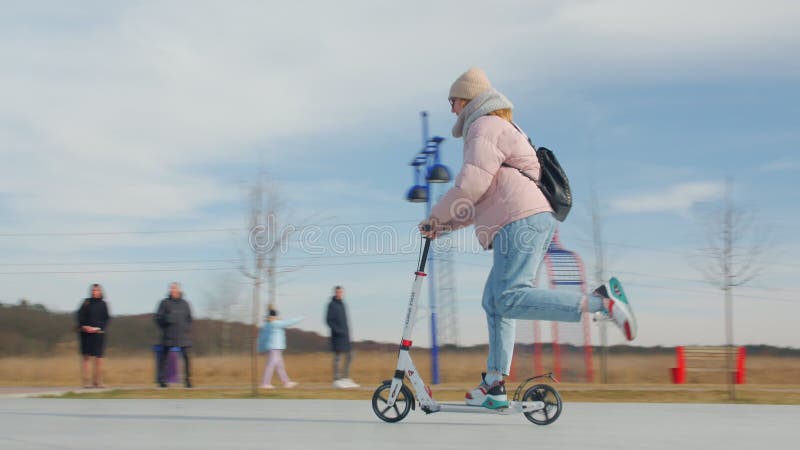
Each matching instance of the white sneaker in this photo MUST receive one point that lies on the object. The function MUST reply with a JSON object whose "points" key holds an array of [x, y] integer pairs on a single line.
{"points": [[617, 308], [345, 383], [492, 397], [267, 386], [289, 384], [350, 383]]}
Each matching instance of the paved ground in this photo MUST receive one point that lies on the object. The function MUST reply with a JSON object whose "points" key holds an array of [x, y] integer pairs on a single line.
{"points": [[27, 423]]}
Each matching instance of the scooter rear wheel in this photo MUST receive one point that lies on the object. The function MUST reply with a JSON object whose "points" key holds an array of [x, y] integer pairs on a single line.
{"points": [[396, 412], [552, 404]]}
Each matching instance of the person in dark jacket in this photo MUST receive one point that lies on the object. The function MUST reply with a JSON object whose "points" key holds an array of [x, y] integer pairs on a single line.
{"points": [[174, 317], [340, 340], [93, 318]]}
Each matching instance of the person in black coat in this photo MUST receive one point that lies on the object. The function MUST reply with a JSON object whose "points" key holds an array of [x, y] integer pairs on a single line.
{"points": [[93, 318], [340, 340], [174, 318]]}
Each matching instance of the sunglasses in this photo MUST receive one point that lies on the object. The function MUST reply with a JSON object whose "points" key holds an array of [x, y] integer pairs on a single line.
{"points": [[452, 102]]}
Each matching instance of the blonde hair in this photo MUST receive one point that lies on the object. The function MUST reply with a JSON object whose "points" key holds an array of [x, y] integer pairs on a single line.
{"points": [[505, 113]]}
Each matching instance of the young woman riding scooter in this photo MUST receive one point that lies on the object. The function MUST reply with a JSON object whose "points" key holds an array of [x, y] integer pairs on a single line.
{"points": [[495, 192]]}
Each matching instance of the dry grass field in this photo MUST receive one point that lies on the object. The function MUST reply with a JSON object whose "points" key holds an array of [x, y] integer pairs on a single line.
{"points": [[456, 368]]}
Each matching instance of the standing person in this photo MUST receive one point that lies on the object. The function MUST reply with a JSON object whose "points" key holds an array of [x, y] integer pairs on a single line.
{"points": [[340, 340], [93, 318], [174, 317], [272, 339], [514, 219]]}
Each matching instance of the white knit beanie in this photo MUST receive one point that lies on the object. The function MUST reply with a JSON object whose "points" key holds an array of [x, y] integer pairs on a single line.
{"points": [[470, 84]]}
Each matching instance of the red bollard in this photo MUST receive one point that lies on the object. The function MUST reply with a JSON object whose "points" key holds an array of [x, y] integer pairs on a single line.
{"points": [[679, 373], [740, 365]]}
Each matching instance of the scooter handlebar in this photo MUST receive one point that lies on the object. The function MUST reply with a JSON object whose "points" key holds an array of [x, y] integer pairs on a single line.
{"points": [[424, 257]]}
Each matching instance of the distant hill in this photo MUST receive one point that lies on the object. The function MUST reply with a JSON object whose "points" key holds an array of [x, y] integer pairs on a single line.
{"points": [[32, 330]]}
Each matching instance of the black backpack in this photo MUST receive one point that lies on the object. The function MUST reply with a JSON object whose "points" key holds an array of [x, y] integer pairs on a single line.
{"points": [[552, 180]]}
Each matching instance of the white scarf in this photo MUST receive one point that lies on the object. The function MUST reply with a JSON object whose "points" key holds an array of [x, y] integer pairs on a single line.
{"points": [[489, 101]]}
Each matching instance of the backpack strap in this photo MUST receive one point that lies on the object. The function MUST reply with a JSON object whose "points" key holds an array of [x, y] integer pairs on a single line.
{"points": [[523, 133], [534, 154]]}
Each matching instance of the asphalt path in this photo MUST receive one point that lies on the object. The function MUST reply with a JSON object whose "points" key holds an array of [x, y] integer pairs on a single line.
{"points": [[27, 423]]}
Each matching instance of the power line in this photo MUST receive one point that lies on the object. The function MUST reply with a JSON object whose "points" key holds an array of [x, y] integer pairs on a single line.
{"points": [[197, 261], [118, 233], [321, 225], [117, 263], [347, 264], [664, 277], [672, 288], [674, 252], [756, 297], [67, 272], [233, 260], [696, 280], [214, 230], [234, 266], [188, 230], [194, 269]]}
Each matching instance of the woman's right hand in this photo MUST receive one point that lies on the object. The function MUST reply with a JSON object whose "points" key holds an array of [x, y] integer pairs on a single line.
{"points": [[430, 228]]}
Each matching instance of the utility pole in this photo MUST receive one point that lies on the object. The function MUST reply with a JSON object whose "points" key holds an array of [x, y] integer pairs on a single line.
{"points": [[600, 277], [435, 172]]}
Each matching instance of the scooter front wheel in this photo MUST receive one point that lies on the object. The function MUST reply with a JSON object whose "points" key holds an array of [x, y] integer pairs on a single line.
{"points": [[396, 412], [552, 404]]}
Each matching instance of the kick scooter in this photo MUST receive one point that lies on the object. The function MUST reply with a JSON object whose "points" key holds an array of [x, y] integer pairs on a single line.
{"points": [[393, 399]]}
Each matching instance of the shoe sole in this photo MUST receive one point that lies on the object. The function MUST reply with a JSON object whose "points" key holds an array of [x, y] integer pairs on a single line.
{"points": [[617, 291], [618, 294], [490, 401]]}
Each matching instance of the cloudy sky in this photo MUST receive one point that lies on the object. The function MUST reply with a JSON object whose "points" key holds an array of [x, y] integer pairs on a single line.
{"points": [[129, 132]]}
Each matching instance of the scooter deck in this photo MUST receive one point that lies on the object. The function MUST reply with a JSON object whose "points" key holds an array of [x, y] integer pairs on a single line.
{"points": [[512, 408]]}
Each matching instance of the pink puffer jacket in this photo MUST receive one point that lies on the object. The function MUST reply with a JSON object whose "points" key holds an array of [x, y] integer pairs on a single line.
{"points": [[487, 193]]}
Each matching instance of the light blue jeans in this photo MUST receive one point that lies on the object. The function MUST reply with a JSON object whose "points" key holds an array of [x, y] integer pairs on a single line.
{"points": [[519, 248]]}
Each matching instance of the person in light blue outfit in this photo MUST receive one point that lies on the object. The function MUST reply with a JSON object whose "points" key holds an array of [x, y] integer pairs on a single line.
{"points": [[272, 340]]}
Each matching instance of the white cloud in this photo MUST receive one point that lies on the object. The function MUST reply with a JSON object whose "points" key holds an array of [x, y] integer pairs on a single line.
{"points": [[677, 199], [635, 40], [781, 165], [135, 91]]}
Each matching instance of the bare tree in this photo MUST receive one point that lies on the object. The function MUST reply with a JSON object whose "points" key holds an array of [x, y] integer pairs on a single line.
{"points": [[223, 303], [266, 239], [733, 255]]}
